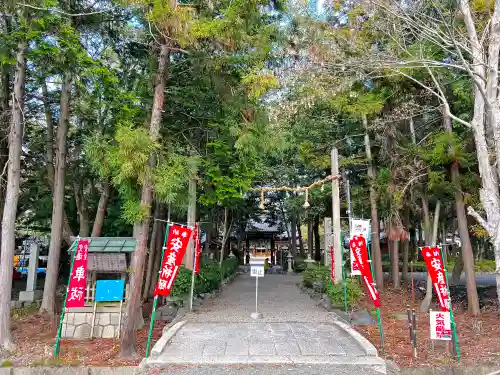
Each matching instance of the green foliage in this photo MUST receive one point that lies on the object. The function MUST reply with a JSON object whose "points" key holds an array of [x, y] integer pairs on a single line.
{"points": [[6, 364], [208, 279], [319, 277], [259, 84], [182, 284], [316, 276], [299, 264], [354, 292]]}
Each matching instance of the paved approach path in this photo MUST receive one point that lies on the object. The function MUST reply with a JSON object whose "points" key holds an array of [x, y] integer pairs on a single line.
{"points": [[293, 331]]}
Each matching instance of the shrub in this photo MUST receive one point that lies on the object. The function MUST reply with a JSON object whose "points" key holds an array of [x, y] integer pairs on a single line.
{"points": [[336, 292], [208, 279], [299, 265], [319, 276], [182, 284]]}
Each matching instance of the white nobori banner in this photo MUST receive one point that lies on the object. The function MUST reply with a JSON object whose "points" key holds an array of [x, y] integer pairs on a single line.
{"points": [[359, 227]]}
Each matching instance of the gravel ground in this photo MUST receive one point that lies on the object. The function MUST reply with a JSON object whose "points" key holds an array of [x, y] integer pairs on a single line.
{"points": [[279, 300]]}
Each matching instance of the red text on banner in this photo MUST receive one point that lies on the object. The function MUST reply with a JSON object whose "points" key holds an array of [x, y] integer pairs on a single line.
{"points": [[360, 253], [78, 279], [434, 263], [178, 239]]}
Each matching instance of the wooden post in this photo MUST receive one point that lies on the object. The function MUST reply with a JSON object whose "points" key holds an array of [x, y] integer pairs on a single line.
{"points": [[328, 241], [338, 246]]}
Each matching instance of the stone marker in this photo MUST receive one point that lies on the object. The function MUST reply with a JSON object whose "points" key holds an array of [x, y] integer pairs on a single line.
{"points": [[31, 294]]}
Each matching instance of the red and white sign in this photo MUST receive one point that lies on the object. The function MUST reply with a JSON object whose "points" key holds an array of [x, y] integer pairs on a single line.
{"points": [[360, 253], [359, 227], [178, 239], [434, 263], [78, 279], [332, 256], [440, 325], [197, 251]]}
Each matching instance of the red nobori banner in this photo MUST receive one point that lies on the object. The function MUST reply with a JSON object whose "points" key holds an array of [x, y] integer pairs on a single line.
{"points": [[332, 256], [178, 239], [434, 263], [360, 253], [78, 279], [197, 252]]}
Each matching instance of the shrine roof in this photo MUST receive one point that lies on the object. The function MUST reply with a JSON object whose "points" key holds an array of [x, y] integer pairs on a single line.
{"points": [[109, 244]]}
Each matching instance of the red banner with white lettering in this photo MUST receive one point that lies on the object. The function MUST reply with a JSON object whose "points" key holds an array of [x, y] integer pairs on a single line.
{"points": [[78, 279], [178, 239], [360, 253], [197, 251], [434, 263], [332, 256]]}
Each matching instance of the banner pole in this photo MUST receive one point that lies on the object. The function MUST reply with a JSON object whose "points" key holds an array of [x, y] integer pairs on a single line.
{"points": [[452, 318], [195, 248], [343, 270], [155, 300], [379, 316], [63, 312]]}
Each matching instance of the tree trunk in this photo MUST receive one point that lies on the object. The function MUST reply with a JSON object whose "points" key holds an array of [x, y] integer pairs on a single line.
{"points": [[153, 246], [390, 245], [49, 291], [375, 240], [157, 260], [310, 239], [101, 210], [426, 302], [317, 240], [406, 245], [49, 157], [293, 246], [395, 265], [420, 241], [4, 111], [406, 252], [225, 233], [457, 271], [210, 230], [463, 230], [127, 347], [83, 214], [489, 194], [11, 197], [301, 242]]}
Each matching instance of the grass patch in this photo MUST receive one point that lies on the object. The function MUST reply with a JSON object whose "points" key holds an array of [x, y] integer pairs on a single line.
{"points": [[23, 311], [54, 362], [6, 364]]}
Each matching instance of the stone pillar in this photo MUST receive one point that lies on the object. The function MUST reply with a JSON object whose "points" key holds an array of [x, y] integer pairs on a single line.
{"points": [[31, 294], [289, 258]]}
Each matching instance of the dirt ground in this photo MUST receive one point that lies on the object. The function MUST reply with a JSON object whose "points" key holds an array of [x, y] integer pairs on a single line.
{"points": [[35, 334], [479, 338]]}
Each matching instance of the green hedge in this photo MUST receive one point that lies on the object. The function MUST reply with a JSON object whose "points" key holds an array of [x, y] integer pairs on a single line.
{"points": [[207, 280], [354, 292], [299, 265], [320, 277]]}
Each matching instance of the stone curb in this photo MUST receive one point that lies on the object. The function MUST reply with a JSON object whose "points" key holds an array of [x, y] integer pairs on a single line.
{"points": [[166, 337], [364, 343], [479, 370], [175, 325]]}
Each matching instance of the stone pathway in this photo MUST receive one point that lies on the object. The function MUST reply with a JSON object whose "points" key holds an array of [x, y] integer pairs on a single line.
{"points": [[293, 330]]}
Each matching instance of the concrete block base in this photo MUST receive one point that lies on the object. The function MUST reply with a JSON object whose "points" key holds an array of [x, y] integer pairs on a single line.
{"points": [[32, 296]]}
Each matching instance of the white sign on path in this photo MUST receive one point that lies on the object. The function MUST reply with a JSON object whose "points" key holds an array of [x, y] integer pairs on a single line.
{"points": [[257, 271]]}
